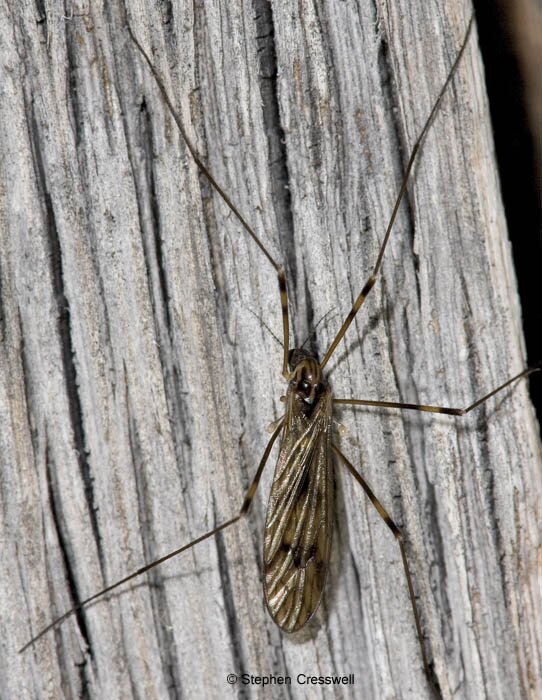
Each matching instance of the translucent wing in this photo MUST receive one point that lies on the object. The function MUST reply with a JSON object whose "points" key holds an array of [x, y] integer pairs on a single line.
{"points": [[299, 514]]}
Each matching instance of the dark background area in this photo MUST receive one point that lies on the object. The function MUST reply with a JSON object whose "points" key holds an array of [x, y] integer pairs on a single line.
{"points": [[518, 169]]}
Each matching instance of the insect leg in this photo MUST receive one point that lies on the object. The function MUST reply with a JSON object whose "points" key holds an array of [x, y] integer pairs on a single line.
{"points": [[372, 279], [281, 275], [254, 485], [439, 409], [400, 540], [243, 511]]}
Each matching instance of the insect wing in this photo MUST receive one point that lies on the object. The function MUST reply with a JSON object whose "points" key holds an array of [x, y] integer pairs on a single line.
{"points": [[298, 526]]}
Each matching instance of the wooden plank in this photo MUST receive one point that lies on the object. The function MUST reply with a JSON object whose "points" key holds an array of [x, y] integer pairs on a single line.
{"points": [[138, 378]]}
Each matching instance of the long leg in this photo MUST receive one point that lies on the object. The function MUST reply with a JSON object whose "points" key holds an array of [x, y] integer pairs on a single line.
{"points": [[439, 409], [372, 279], [243, 511], [400, 540], [219, 189]]}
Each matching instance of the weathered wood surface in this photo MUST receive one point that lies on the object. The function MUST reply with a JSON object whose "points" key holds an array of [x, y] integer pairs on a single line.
{"points": [[137, 379]]}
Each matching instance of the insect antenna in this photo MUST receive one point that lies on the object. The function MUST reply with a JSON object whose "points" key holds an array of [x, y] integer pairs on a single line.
{"points": [[264, 324], [312, 335]]}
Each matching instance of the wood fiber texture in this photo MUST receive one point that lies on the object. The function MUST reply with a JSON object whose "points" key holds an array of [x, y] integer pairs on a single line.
{"points": [[138, 373]]}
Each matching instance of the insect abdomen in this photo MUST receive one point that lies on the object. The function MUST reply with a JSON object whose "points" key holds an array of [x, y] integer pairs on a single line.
{"points": [[298, 526]]}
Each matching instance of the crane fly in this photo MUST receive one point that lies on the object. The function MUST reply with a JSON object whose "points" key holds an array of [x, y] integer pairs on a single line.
{"points": [[298, 528]]}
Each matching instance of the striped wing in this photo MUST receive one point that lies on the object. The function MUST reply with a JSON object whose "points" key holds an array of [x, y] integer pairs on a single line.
{"points": [[299, 514]]}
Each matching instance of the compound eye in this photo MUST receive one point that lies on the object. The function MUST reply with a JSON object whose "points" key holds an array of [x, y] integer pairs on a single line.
{"points": [[304, 387]]}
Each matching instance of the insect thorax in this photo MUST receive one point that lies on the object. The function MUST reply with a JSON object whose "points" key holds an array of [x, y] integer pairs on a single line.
{"points": [[306, 377]]}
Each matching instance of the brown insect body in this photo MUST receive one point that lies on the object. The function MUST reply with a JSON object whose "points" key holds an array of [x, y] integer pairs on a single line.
{"points": [[298, 526]]}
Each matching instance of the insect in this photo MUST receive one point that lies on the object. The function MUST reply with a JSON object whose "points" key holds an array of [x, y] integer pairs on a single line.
{"points": [[324, 433]]}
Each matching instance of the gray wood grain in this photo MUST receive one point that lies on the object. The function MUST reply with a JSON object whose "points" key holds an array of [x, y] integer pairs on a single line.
{"points": [[137, 377]]}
